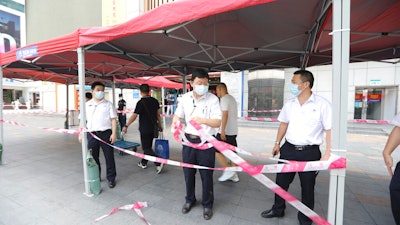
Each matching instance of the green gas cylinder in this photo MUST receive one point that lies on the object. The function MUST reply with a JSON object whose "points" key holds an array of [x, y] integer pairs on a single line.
{"points": [[94, 176]]}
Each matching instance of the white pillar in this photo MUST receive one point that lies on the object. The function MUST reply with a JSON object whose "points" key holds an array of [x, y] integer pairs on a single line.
{"points": [[340, 62], [82, 122]]}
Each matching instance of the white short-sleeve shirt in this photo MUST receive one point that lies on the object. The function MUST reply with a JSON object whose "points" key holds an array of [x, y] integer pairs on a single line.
{"points": [[307, 122], [99, 115], [228, 103], [206, 107]]}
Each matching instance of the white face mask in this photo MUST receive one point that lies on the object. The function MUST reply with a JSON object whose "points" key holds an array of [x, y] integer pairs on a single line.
{"points": [[201, 89], [294, 89], [99, 94]]}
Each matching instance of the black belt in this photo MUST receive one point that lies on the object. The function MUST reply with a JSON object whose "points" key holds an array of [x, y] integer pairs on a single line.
{"points": [[192, 136], [97, 132], [302, 147]]}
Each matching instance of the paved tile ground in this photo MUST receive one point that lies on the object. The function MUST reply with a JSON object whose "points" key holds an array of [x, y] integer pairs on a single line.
{"points": [[41, 181]]}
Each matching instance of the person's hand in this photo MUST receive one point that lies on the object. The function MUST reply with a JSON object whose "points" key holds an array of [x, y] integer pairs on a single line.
{"points": [[325, 157], [124, 129], [389, 163], [223, 136], [198, 120], [160, 128], [275, 150], [113, 138], [175, 126]]}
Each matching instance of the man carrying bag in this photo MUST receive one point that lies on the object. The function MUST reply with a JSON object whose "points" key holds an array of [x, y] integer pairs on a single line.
{"points": [[149, 110]]}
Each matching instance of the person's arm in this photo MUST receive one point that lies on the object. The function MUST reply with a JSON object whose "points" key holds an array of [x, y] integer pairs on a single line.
{"points": [[124, 110], [113, 137], [328, 134], [279, 136], [214, 123], [391, 144], [224, 121], [129, 122], [160, 128]]}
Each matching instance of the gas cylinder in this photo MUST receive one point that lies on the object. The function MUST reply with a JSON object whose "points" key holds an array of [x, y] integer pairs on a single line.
{"points": [[94, 176]]}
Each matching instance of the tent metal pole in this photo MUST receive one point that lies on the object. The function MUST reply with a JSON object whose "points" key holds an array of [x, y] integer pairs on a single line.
{"points": [[113, 90], [185, 70], [163, 106], [82, 121], [340, 73], [1, 116], [66, 125]]}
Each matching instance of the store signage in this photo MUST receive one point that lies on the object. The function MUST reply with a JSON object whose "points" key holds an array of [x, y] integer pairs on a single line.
{"points": [[27, 52], [375, 82], [374, 97], [358, 97]]}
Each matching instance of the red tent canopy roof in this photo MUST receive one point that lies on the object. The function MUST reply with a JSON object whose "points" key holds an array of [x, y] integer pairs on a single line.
{"points": [[153, 81]]}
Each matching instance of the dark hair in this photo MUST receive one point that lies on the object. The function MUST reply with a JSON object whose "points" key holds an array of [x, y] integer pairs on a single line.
{"points": [[97, 83], [200, 73], [305, 76], [223, 86], [120, 95], [144, 88], [88, 95]]}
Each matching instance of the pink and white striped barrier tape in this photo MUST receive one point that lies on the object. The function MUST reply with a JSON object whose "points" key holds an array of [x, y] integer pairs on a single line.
{"points": [[59, 130], [136, 207], [266, 110], [370, 121], [260, 119], [156, 159], [291, 166], [32, 111], [255, 172]]}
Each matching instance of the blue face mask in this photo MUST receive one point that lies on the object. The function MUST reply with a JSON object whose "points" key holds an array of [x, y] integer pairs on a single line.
{"points": [[99, 94], [294, 89], [201, 89]]}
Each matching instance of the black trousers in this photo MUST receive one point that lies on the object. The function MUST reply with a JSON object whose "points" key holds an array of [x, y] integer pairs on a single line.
{"points": [[108, 151], [146, 140], [202, 158], [230, 139], [121, 120], [307, 179], [395, 194]]}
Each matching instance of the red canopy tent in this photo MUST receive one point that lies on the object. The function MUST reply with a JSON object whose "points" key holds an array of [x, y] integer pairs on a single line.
{"points": [[223, 35], [160, 82]]}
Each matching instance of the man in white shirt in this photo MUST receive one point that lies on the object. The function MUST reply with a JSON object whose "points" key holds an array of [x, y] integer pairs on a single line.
{"points": [[391, 144], [228, 130], [304, 120], [101, 120], [202, 107]]}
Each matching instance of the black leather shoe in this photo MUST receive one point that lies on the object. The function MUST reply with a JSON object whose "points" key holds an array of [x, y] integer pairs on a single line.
{"points": [[207, 213], [271, 213], [187, 207], [111, 184]]}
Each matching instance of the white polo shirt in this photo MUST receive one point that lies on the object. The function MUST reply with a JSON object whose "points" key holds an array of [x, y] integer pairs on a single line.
{"points": [[228, 103], [206, 107], [99, 115], [307, 122]]}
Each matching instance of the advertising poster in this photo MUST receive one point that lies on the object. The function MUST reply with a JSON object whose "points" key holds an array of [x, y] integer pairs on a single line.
{"points": [[12, 25]]}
